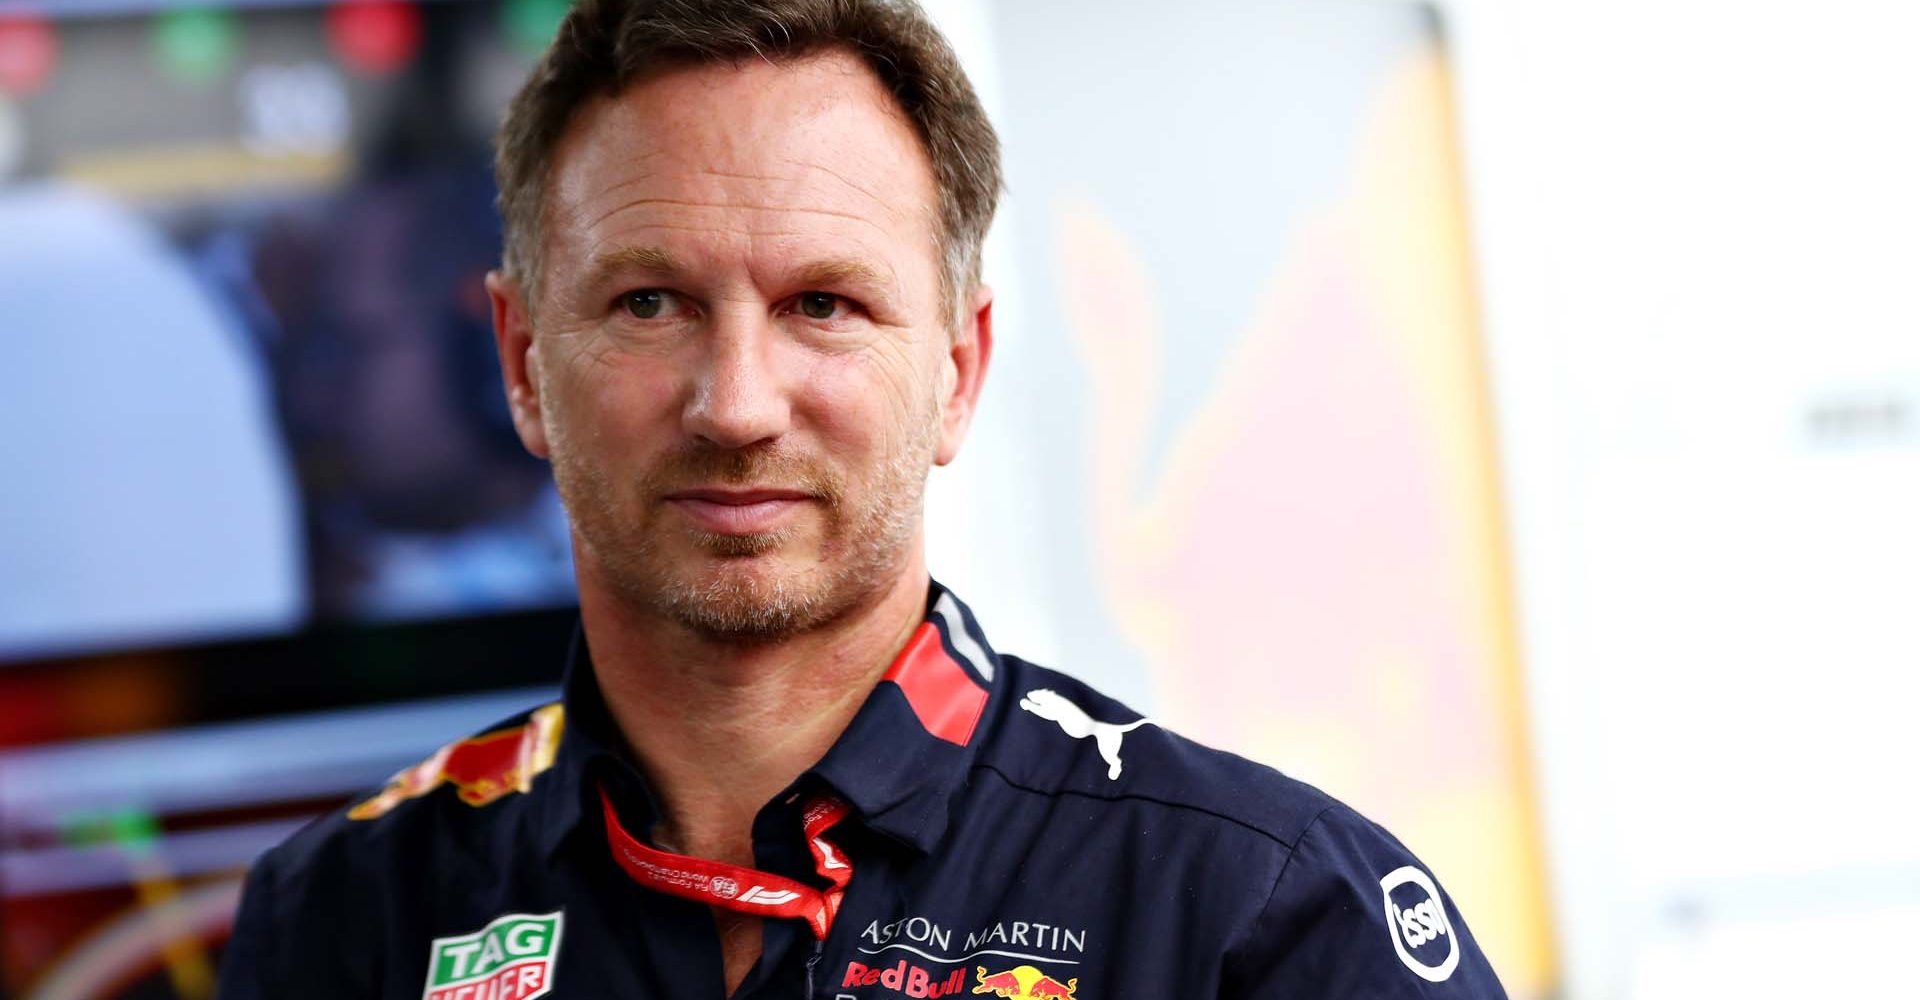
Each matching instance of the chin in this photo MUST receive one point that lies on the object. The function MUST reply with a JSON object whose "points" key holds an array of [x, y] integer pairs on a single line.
{"points": [[741, 547], [752, 599], [755, 588]]}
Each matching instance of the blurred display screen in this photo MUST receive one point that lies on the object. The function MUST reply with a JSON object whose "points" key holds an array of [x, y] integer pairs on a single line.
{"points": [[266, 533], [244, 261]]}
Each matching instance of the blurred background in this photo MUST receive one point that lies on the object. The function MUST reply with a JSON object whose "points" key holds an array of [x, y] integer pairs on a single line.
{"points": [[1503, 414]]}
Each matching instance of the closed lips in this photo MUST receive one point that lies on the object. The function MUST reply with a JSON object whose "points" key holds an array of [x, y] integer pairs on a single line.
{"points": [[738, 498], [739, 512]]}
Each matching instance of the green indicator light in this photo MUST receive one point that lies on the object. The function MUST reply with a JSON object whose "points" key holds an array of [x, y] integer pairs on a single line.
{"points": [[531, 24], [195, 45], [131, 829]]}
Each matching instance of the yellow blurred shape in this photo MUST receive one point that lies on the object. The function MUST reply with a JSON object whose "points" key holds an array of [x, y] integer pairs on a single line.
{"points": [[202, 169]]}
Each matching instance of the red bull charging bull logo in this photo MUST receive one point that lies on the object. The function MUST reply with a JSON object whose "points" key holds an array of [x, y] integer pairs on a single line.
{"points": [[1023, 981], [485, 768]]}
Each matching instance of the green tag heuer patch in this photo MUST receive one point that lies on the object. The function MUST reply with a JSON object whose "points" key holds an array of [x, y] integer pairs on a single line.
{"points": [[511, 958]]}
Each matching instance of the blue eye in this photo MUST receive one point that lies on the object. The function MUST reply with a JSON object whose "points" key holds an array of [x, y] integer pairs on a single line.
{"points": [[646, 303], [818, 305]]}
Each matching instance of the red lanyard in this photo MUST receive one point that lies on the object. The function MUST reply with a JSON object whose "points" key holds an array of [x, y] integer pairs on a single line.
{"points": [[747, 890]]}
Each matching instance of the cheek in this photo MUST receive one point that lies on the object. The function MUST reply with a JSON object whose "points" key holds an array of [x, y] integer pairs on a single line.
{"points": [[609, 405], [871, 403]]}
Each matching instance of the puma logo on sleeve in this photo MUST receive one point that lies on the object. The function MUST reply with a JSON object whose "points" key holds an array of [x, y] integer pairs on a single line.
{"points": [[1075, 722]]}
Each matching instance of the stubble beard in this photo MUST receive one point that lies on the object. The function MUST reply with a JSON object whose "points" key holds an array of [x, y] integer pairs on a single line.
{"points": [[739, 598]]}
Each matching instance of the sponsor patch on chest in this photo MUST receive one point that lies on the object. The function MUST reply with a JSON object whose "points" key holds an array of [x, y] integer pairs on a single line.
{"points": [[511, 958], [922, 958]]}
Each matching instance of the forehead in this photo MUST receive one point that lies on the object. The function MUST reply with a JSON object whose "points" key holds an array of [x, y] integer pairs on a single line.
{"points": [[790, 149]]}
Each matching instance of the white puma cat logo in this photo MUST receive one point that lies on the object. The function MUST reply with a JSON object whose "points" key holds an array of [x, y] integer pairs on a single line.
{"points": [[1075, 721]]}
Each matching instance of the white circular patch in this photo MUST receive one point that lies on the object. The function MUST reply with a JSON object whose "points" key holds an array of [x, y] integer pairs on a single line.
{"points": [[1417, 923]]}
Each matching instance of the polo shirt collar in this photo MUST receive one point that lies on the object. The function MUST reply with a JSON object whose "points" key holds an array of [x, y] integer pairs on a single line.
{"points": [[899, 763]]}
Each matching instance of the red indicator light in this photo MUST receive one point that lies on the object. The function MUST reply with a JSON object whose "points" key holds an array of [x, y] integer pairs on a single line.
{"points": [[374, 37], [28, 53]]}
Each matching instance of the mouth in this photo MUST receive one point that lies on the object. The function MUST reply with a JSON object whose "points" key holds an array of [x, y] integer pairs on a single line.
{"points": [[737, 511]]}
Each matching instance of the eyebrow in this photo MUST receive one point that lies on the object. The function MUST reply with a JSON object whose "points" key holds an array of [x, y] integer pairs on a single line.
{"points": [[820, 273], [629, 259], [879, 288], [832, 272]]}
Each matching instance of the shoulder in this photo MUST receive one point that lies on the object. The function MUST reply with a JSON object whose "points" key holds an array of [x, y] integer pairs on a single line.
{"points": [[1354, 913], [1331, 904], [315, 907], [468, 796], [1057, 735]]}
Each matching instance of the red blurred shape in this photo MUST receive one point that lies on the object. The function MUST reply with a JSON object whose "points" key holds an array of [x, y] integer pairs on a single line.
{"points": [[374, 37], [28, 52], [32, 710]]}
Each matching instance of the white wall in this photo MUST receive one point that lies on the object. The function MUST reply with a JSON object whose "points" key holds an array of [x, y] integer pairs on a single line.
{"points": [[1697, 226]]}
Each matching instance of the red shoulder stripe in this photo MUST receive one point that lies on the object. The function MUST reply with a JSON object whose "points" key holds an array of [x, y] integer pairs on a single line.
{"points": [[944, 697]]}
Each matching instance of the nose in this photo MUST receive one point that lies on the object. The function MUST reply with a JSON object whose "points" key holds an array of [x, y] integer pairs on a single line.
{"points": [[739, 397]]}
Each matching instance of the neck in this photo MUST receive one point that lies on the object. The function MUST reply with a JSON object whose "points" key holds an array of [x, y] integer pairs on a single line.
{"points": [[720, 728]]}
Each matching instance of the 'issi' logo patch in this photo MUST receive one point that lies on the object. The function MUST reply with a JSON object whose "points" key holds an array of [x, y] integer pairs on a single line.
{"points": [[1417, 922], [511, 958]]}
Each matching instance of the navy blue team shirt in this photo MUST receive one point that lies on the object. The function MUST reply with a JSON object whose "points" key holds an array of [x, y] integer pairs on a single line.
{"points": [[1012, 833]]}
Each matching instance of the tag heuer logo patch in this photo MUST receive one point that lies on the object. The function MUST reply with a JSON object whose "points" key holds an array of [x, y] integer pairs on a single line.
{"points": [[511, 958]]}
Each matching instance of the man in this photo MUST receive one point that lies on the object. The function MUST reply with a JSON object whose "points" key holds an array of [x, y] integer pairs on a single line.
{"points": [[740, 313]]}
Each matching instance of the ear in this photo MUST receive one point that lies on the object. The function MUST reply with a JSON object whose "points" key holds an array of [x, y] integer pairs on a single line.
{"points": [[513, 337], [968, 352]]}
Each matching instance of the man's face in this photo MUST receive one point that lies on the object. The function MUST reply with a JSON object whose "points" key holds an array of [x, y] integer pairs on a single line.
{"points": [[741, 369]]}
